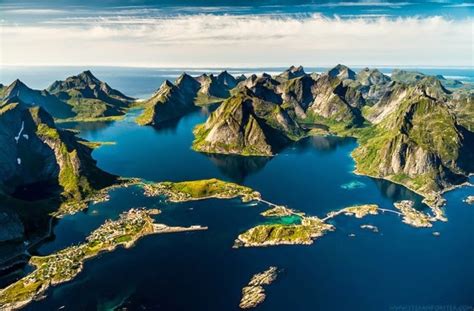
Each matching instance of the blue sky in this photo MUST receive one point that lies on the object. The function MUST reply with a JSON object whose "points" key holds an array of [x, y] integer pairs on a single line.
{"points": [[206, 33]]}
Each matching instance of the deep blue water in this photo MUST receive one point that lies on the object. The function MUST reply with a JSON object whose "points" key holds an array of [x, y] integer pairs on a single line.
{"points": [[398, 267]]}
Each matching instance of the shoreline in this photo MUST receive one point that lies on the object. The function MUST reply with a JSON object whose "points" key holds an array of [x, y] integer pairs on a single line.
{"points": [[64, 265]]}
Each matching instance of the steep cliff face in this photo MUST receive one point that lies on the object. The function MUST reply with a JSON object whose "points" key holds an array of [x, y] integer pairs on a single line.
{"points": [[397, 92], [388, 102], [169, 102], [416, 141], [89, 97], [372, 84], [298, 94], [38, 160], [335, 100], [245, 124]]}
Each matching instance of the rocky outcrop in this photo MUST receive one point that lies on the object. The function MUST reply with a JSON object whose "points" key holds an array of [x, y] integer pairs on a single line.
{"points": [[254, 293], [387, 103], [245, 124]]}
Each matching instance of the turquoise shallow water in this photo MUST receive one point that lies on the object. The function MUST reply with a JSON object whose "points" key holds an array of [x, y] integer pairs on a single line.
{"points": [[398, 267]]}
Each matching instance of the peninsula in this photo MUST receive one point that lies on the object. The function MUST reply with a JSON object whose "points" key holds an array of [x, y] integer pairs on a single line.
{"points": [[64, 265]]}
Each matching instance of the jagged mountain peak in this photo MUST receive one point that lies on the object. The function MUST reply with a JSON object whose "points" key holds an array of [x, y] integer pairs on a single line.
{"points": [[297, 71], [240, 78], [17, 84], [227, 79], [82, 80], [342, 72], [88, 77], [185, 79], [291, 73]]}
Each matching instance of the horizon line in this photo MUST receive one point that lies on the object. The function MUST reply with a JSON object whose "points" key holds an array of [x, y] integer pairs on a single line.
{"points": [[242, 66]]}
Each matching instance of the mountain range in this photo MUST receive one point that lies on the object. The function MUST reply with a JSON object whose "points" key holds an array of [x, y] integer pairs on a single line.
{"points": [[80, 97], [411, 128]]}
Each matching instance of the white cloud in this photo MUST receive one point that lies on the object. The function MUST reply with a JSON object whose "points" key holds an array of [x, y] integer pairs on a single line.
{"points": [[34, 11], [460, 5], [233, 40]]}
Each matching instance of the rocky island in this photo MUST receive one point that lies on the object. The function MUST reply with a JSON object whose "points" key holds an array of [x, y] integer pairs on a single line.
{"points": [[305, 231], [200, 190], [254, 293], [412, 216], [64, 265], [469, 199], [359, 211]]}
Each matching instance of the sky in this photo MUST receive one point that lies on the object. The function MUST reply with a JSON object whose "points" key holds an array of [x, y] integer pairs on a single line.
{"points": [[220, 33]]}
